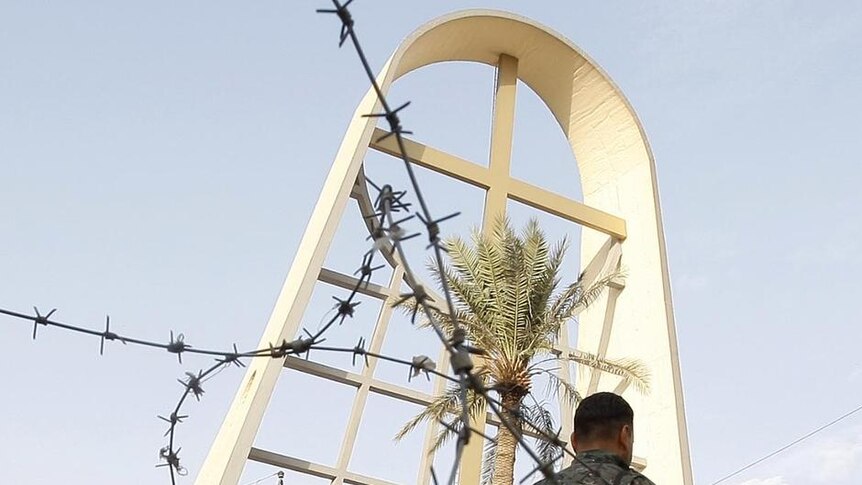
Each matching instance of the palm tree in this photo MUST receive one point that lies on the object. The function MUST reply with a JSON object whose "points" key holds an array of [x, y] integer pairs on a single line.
{"points": [[506, 289]]}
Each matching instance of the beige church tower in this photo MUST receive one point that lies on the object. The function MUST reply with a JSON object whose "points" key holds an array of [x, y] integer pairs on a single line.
{"points": [[620, 214]]}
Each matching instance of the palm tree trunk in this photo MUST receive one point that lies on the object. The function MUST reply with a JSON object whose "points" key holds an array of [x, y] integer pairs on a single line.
{"points": [[507, 443]]}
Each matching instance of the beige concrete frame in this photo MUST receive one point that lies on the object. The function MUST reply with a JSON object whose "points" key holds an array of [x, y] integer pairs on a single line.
{"points": [[620, 204]]}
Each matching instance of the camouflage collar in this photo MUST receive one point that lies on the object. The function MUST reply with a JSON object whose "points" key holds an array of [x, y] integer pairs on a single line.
{"points": [[602, 456]]}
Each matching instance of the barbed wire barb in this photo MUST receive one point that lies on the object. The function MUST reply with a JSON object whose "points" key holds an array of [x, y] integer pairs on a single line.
{"points": [[41, 320], [177, 346]]}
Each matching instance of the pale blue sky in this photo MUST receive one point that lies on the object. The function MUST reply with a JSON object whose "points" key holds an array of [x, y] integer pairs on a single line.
{"points": [[159, 161]]}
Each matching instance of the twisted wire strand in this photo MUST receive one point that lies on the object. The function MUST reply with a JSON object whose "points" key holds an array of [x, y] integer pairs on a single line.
{"points": [[459, 354]]}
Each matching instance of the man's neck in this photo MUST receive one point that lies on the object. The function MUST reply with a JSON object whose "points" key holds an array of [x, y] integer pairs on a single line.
{"points": [[602, 451]]}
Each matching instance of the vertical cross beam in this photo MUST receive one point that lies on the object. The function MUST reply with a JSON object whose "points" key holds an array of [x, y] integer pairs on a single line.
{"points": [[361, 397], [503, 125], [496, 198]]}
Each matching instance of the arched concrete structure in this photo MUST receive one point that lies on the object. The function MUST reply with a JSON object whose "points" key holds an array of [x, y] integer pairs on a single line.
{"points": [[620, 205]]}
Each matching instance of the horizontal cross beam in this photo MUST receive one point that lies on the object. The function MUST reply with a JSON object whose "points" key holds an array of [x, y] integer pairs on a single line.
{"points": [[479, 176]]}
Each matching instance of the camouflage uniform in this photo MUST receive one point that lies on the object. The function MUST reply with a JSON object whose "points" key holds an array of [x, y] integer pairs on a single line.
{"points": [[611, 470]]}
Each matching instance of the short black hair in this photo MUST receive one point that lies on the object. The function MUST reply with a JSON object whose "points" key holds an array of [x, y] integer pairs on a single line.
{"points": [[601, 415]]}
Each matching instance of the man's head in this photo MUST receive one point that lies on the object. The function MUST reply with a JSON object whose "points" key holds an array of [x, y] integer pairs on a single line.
{"points": [[604, 421]]}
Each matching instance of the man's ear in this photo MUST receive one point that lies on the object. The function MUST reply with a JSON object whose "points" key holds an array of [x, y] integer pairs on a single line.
{"points": [[574, 440], [626, 436]]}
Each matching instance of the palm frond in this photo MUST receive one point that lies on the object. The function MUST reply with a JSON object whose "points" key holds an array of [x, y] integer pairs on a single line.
{"points": [[488, 461], [631, 370], [463, 277], [490, 264], [476, 330], [578, 296], [440, 408], [532, 280], [444, 408], [545, 278], [540, 419], [557, 386]]}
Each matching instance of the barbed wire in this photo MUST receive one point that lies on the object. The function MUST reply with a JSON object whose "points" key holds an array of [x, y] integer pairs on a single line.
{"points": [[387, 233], [460, 360]]}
